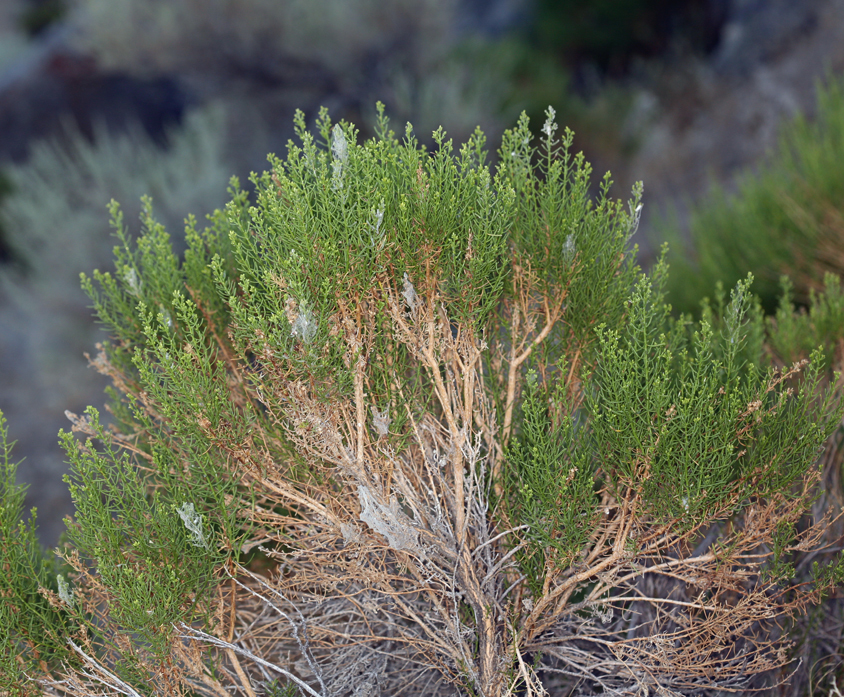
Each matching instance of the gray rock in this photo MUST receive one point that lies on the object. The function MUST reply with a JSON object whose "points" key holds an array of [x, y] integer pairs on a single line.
{"points": [[760, 31]]}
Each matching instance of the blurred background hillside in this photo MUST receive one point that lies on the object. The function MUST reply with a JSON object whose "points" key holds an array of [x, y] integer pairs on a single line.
{"points": [[712, 103]]}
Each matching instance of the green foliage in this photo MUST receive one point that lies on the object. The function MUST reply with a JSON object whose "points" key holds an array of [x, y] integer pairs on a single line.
{"points": [[549, 480], [828, 575], [794, 335], [356, 189], [287, 689], [143, 546], [31, 628], [56, 226], [717, 313], [779, 568], [570, 240], [784, 219], [335, 222], [689, 436]]}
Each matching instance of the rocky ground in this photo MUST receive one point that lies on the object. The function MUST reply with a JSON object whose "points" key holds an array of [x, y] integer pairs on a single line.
{"points": [[694, 120]]}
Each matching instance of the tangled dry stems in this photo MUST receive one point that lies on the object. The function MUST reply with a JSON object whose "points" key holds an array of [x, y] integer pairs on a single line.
{"points": [[397, 569]]}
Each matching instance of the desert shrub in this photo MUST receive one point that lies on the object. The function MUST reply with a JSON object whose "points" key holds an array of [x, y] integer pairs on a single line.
{"points": [[54, 225], [180, 35], [26, 617], [797, 333], [407, 425], [426, 60], [342, 50], [54, 211], [784, 219]]}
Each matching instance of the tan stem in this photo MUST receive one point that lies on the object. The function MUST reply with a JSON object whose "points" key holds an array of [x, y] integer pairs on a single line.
{"points": [[360, 412], [551, 317], [456, 436]]}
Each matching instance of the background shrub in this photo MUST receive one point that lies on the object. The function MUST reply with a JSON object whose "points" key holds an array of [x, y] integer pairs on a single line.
{"points": [[784, 219]]}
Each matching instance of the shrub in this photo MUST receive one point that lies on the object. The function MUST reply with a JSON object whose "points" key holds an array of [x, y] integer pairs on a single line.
{"points": [[346, 51], [53, 212], [433, 62], [406, 425], [184, 35], [795, 334], [784, 219], [55, 222]]}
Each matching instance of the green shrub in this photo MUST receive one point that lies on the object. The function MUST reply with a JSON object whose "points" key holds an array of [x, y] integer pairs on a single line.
{"points": [[405, 424], [796, 334], [30, 625], [784, 219], [55, 222], [53, 213]]}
